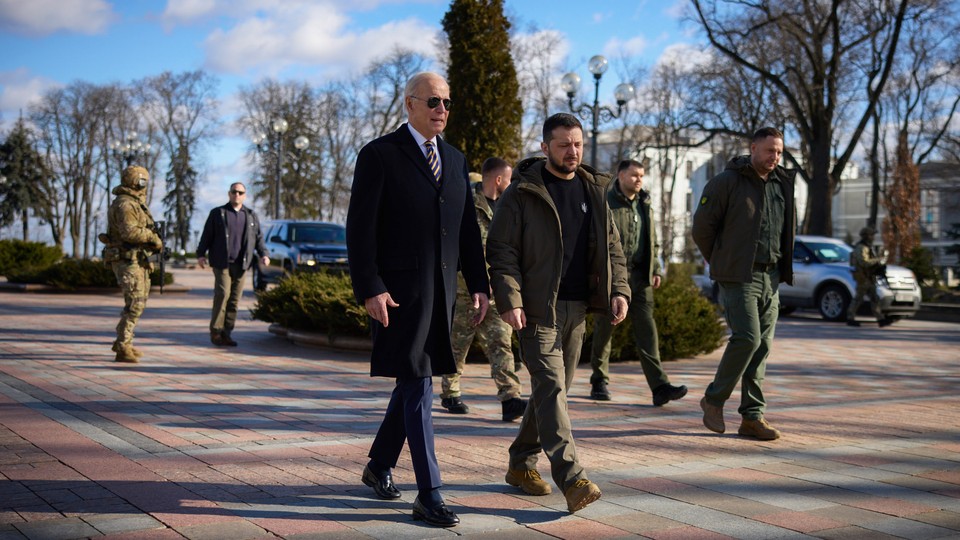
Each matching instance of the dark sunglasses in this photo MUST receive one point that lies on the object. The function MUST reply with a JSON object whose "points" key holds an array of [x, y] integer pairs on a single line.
{"points": [[434, 102], [238, 192]]}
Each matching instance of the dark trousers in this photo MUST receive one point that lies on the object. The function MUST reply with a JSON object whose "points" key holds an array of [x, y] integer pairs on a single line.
{"points": [[409, 418], [227, 290]]}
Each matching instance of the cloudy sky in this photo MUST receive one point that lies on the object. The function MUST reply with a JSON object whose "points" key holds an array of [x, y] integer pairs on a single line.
{"points": [[49, 43]]}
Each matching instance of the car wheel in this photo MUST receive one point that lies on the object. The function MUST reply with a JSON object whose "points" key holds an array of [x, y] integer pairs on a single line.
{"points": [[259, 284], [833, 302]]}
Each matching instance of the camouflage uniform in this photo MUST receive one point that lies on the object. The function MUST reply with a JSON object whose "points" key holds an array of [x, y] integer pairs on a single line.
{"points": [[130, 241], [867, 263], [493, 335]]}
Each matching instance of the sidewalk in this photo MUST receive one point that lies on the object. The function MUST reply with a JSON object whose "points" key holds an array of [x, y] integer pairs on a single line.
{"points": [[268, 440]]}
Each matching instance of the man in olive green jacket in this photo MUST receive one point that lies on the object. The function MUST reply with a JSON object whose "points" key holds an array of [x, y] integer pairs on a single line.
{"points": [[744, 228], [633, 214], [554, 253]]}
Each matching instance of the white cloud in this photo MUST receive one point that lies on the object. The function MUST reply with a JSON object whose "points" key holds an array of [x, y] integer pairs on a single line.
{"points": [[311, 34], [635, 46], [686, 55], [187, 11], [18, 90], [42, 17]]}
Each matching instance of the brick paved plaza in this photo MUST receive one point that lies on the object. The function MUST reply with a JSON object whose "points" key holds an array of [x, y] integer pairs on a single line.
{"points": [[268, 440]]}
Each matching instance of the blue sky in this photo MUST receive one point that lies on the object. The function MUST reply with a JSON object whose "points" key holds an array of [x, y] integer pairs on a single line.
{"points": [[49, 43]]}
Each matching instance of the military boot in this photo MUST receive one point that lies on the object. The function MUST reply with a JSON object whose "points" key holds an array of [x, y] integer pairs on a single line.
{"points": [[136, 352], [126, 353]]}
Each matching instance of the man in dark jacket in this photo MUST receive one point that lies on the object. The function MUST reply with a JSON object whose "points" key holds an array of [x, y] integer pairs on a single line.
{"points": [[633, 214], [410, 222], [230, 237], [744, 228], [554, 253]]}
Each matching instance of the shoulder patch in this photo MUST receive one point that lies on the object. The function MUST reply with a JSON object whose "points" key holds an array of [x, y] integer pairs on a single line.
{"points": [[703, 200]]}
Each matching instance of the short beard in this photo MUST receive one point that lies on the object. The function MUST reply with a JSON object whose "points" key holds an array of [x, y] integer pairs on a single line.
{"points": [[560, 166]]}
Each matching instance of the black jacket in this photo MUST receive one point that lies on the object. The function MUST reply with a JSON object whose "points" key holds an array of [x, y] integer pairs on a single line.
{"points": [[406, 235], [214, 238]]}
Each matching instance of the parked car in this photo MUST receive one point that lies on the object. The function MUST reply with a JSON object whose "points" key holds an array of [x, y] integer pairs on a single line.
{"points": [[294, 245], [823, 279]]}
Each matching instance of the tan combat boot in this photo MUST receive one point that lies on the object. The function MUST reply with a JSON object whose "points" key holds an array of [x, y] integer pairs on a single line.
{"points": [[580, 494], [126, 353], [529, 481], [136, 352], [758, 429]]}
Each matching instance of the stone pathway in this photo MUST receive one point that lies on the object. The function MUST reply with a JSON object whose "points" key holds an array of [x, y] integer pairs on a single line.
{"points": [[268, 440]]}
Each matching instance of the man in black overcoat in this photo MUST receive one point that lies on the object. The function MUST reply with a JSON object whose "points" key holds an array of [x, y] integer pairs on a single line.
{"points": [[410, 223]]}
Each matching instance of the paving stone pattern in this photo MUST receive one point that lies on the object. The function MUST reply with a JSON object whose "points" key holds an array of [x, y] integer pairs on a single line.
{"points": [[268, 440]]}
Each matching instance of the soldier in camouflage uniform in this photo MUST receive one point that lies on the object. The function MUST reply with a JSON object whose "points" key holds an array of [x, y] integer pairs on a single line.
{"points": [[492, 334], [867, 264], [130, 240]]}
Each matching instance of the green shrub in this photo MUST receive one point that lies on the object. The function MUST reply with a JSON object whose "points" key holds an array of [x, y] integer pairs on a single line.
{"points": [[70, 274], [920, 261], [687, 323], [18, 256], [314, 301]]}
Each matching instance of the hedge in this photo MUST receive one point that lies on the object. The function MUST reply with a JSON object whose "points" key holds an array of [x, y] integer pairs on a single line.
{"points": [[71, 274], [18, 256], [323, 302]]}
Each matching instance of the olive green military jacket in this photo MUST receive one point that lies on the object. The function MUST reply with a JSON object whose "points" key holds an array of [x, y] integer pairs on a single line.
{"points": [[525, 251], [629, 216]]}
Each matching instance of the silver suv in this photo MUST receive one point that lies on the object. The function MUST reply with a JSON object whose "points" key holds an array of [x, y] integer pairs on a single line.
{"points": [[822, 278]]}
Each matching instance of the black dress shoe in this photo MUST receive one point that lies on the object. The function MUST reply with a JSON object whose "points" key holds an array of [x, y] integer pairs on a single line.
{"points": [[666, 393], [455, 405], [438, 516], [225, 338], [383, 485], [599, 392]]}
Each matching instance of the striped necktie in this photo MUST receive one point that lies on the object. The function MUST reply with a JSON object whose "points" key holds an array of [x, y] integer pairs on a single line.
{"points": [[433, 161]]}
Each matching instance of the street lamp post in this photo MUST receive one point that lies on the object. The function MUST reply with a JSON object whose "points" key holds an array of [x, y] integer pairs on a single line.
{"points": [[279, 127], [130, 150], [623, 93]]}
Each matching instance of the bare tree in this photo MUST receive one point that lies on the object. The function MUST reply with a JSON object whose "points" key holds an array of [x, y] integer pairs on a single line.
{"points": [[381, 89], [71, 122], [183, 109], [538, 72], [819, 58]]}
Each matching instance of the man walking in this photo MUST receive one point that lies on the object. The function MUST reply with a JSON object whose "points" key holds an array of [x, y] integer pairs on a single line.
{"points": [[131, 239], [867, 264], [230, 236], [744, 228], [492, 335], [633, 214], [410, 223], [554, 253]]}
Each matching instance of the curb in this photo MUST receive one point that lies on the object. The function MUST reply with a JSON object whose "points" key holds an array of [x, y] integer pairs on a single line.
{"points": [[939, 313], [315, 339], [49, 289]]}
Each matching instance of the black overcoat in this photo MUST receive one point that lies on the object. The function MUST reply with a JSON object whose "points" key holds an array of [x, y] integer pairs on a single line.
{"points": [[407, 235]]}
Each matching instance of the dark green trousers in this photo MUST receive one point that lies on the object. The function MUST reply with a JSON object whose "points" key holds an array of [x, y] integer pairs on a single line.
{"points": [[644, 335], [551, 354], [751, 310]]}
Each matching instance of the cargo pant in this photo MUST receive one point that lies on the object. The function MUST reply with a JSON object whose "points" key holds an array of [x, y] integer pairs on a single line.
{"points": [[134, 281], [493, 336], [751, 310], [551, 354], [644, 334]]}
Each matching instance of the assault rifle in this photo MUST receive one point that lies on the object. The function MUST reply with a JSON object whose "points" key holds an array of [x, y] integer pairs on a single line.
{"points": [[160, 227]]}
